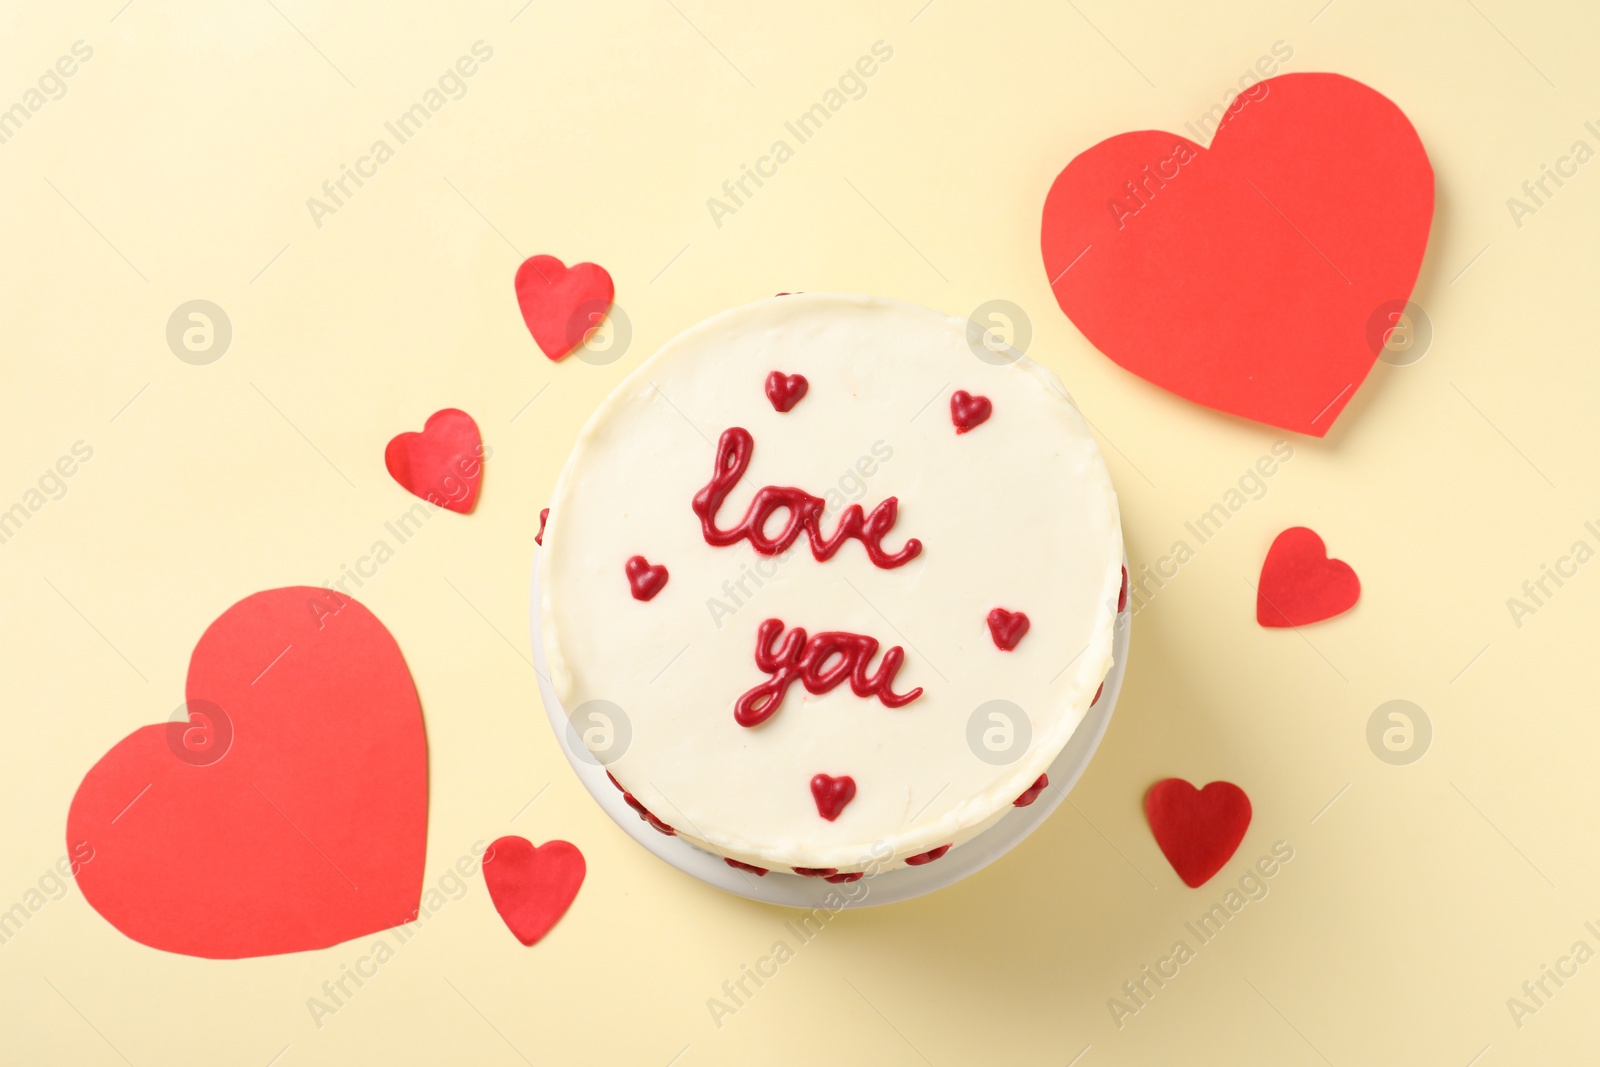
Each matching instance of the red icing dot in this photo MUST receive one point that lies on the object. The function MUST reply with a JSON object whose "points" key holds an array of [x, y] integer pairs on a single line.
{"points": [[644, 579], [1033, 792], [759, 872], [927, 857], [968, 411], [544, 517], [815, 872], [853, 876], [1007, 628], [644, 814], [832, 794], [1122, 597], [786, 390]]}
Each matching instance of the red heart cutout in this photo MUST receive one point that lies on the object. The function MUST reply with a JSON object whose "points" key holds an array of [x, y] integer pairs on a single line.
{"points": [[786, 390], [306, 829], [562, 306], [1300, 584], [967, 411], [532, 887], [832, 794], [1007, 628], [1198, 829], [443, 464], [645, 580], [1243, 276]]}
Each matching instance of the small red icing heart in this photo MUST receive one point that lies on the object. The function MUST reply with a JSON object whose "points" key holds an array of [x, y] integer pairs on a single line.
{"points": [[759, 872], [443, 464], [1300, 584], [1007, 628], [309, 829], [1032, 792], [532, 887], [544, 517], [562, 306], [786, 390], [967, 411], [644, 579], [927, 857], [1305, 219], [1198, 829], [832, 794]]}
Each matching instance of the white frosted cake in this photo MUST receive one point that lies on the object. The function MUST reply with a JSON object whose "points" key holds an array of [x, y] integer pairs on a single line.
{"points": [[851, 586]]}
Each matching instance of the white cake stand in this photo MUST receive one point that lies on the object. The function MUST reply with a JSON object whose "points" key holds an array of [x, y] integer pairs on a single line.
{"points": [[792, 890]]}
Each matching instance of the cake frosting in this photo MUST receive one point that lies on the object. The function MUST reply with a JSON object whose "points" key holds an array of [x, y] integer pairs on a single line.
{"points": [[850, 583]]}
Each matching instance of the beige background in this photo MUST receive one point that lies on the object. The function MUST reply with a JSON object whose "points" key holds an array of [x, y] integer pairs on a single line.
{"points": [[177, 166]]}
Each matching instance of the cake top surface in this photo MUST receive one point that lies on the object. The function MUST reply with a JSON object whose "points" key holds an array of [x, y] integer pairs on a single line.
{"points": [[777, 553]]}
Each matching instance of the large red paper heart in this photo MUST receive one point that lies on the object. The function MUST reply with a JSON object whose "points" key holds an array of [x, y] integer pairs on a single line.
{"points": [[532, 887], [1300, 584], [562, 306], [1243, 276], [300, 825], [443, 464], [1198, 829]]}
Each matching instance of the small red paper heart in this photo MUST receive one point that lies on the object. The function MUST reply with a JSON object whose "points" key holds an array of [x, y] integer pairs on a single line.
{"points": [[786, 390], [308, 829], [832, 794], [645, 580], [1031, 794], [1300, 584], [967, 411], [562, 306], [1244, 276], [1198, 829], [443, 464], [532, 887], [1007, 628]]}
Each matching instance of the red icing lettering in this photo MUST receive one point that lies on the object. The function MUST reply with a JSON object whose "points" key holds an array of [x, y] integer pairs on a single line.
{"points": [[819, 664], [805, 513]]}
